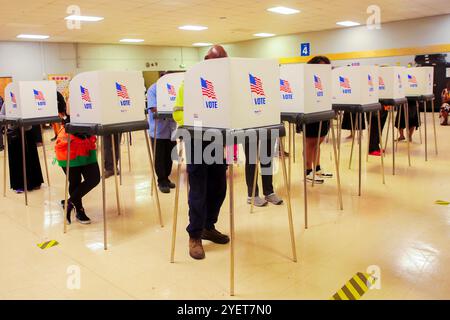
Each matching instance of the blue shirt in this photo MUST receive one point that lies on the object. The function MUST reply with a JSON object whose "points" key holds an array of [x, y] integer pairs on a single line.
{"points": [[165, 127]]}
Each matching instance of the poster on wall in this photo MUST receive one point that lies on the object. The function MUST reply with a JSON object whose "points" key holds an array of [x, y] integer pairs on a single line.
{"points": [[62, 83]]}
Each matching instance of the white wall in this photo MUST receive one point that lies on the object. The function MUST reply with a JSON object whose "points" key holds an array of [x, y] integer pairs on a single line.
{"points": [[401, 34], [33, 60]]}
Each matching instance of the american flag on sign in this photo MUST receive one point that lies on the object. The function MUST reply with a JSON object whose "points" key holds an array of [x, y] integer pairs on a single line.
{"points": [[38, 95], [256, 85], [285, 86], [344, 82], [208, 89], [412, 79], [369, 78], [381, 81], [122, 91], [318, 83], [13, 97], [85, 94], [171, 90]]}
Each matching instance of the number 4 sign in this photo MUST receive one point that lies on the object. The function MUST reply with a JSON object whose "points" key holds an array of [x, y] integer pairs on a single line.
{"points": [[305, 49]]}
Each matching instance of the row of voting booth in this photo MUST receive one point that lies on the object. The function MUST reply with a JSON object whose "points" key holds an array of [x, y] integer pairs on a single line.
{"points": [[231, 96]]}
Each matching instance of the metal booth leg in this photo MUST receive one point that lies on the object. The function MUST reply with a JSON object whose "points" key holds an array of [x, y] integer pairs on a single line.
{"points": [[129, 154], [360, 149], [305, 190], [393, 139], [419, 120], [175, 210], [45, 156], [380, 136], [120, 161], [5, 155], [231, 177], [354, 129], [434, 128], [289, 205], [116, 181], [294, 130], [406, 112], [316, 156], [154, 153], [338, 176], [387, 132], [105, 236], [255, 177], [369, 129], [153, 176], [24, 165], [425, 105], [66, 189]]}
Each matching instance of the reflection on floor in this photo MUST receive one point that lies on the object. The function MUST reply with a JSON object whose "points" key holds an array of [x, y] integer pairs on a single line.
{"points": [[396, 227]]}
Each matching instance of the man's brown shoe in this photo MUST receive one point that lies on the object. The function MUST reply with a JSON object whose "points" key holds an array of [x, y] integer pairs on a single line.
{"points": [[215, 236], [196, 248]]}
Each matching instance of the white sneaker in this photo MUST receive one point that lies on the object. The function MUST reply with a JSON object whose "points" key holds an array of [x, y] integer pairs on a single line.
{"points": [[322, 174], [317, 179], [258, 202]]}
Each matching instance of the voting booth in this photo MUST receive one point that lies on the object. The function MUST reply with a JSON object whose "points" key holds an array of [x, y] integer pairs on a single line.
{"points": [[107, 97], [232, 93], [391, 82], [419, 81], [31, 100], [305, 88], [355, 85], [167, 90]]}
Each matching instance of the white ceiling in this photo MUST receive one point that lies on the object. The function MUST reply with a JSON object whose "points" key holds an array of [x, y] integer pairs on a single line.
{"points": [[157, 21]]}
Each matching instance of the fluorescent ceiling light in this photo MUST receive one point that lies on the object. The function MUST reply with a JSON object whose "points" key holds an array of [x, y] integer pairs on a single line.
{"points": [[132, 40], [202, 44], [263, 34], [33, 36], [83, 18], [283, 10], [348, 23], [193, 28]]}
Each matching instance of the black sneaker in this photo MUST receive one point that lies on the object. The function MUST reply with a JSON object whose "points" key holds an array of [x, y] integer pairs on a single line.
{"points": [[82, 217], [215, 236], [69, 210], [164, 188], [171, 185]]}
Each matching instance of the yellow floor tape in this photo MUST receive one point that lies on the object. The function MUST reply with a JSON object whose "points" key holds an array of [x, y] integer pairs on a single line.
{"points": [[442, 202], [355, 288], [47, 244]]}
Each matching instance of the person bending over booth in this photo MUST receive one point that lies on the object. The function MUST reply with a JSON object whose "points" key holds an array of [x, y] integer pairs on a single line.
{"points": [[312, 132], [208, 185], [84, 173], [164, 143]]}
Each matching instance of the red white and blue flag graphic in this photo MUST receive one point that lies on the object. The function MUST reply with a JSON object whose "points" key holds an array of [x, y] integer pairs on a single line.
{"points": [[122, 91], [13, 97], [171, 90], [208, 89], [412, 79], [285, 86], [381, 84], [85, 94], [38, 95], [318, 83], [256, 85], [344, 82]]}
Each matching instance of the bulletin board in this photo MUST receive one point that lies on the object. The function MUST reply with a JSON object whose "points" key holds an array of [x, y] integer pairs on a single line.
{"points": [[4, 81], [62, 83]]}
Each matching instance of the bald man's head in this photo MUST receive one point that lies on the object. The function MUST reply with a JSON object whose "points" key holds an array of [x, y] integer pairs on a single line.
{"points": [[216, 52]]}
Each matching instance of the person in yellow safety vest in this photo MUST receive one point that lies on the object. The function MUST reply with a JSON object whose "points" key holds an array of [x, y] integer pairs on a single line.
{"points": [[208, 185]]}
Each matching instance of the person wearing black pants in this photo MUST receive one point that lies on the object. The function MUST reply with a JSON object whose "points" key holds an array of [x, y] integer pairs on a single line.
{"points": [[413, 120], [109, 163], [374, 144], [78, 188], [266, 175], [163, 163]]}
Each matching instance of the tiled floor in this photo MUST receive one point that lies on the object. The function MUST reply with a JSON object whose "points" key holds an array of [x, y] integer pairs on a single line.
{"points": [[396, 227]]}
